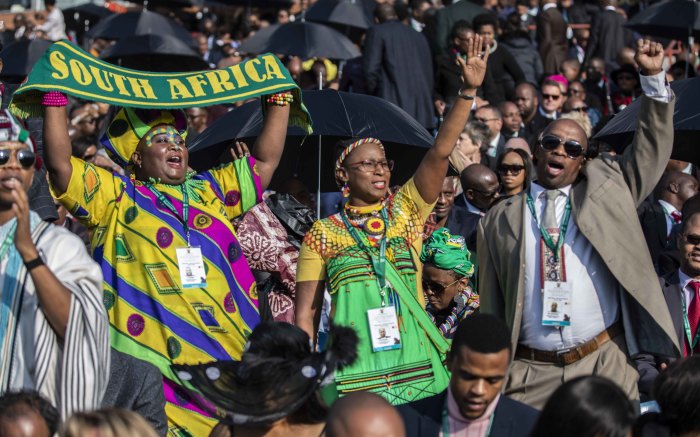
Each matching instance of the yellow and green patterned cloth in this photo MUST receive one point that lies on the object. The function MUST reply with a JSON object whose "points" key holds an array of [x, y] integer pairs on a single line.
{"points": [[134, 239], [329, 253]]}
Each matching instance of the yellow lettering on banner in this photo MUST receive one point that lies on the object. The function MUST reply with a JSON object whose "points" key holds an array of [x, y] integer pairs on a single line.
{"points": [[119, 81], [102, 82], [239, 76], [178, 90], [80, 72], [56, 59], [141, 88], [196, 83], [219, 81], [251, 71], [272, 67]]}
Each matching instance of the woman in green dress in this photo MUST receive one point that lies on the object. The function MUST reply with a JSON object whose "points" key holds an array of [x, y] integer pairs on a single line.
{"points": [[368, 256]]}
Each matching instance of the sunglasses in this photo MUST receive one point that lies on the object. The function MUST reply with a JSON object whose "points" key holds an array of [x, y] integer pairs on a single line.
{"points": [[25, 157], [573, 149], [693, 240], [580, 109], [513, 169], [551, 96], [436, 288]]}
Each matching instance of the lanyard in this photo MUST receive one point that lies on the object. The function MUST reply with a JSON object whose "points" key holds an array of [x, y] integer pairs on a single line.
{"points": [[168, 204], [378, 263], [686, 324], [446, 422], [555, 248]]}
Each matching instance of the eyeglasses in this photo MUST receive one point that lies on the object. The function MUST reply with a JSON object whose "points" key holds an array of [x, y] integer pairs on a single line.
{"points": [[485, 120], [691, 239], [25, 157], [580, 109], [372, 165], [436, 288], [573, 149], [575, 91], [513, 169], [551, 96]]}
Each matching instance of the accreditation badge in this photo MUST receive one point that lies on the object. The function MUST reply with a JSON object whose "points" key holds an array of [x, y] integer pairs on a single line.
{"points": [[384, 328], [556, 303], [191, 265]]}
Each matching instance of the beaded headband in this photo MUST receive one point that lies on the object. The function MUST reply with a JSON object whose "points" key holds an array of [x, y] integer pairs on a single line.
{"points": [[354, 146], [170, 131]]}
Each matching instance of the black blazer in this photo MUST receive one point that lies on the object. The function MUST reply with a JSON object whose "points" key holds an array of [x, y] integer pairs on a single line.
{"points": [[608, 37], [648, 365], [462, 222], [423, 418], [653, 220]]}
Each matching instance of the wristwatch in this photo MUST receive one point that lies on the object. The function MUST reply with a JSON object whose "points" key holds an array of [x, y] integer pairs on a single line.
{"points": [[465, 96], [36, 262]]}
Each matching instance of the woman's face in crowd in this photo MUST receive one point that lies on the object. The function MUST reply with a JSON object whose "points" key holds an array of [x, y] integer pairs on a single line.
{"points": [[14, 175], [366, 174], [512, 173], [162, 156], [466, 145], [440, 286]]}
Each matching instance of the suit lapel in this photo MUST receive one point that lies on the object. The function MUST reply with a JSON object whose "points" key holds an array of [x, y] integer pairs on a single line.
{"points": [[660, 223], [672, 295]]}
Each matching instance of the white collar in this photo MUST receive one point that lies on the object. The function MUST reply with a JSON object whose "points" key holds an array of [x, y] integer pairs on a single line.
{"points": [[536, 190], [668, 208], [610, 8], [549, 6], [553, 116], [494, 142], [684, 279]]}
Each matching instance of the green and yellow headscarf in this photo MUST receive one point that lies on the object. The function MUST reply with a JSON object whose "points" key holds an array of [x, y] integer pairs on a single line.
{"points": [[448, 252], [130, 125]]}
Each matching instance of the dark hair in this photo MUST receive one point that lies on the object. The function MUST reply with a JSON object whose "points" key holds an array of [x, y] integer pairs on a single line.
{"points": [[487, 19], [459, 27], [15, 404], [80, 145], [677, 391], [50, 2], [514, 27], [527, 162], [482, 333], [586, 406]]}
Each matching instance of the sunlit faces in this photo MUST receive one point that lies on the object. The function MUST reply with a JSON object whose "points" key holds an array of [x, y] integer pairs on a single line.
{"points": [[162, 155], [511, 116], [367, 185], [551, 98], [557, 167], [689, 245], [441, 286], [16, 169], [512, 172], [446, 199]]}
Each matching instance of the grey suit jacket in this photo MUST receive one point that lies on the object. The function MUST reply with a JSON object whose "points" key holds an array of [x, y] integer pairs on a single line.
{"points": [[604, 204]]}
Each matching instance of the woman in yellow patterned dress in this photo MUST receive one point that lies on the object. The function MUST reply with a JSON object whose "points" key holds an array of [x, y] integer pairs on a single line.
{"points": [[368, 256]]}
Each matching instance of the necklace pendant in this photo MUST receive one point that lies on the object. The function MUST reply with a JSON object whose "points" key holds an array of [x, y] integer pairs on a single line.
{"points": [[374, 226]]}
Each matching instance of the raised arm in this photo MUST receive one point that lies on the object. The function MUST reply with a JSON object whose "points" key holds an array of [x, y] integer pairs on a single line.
{"points": [[269, 146], [57, 147], [429, 175]]}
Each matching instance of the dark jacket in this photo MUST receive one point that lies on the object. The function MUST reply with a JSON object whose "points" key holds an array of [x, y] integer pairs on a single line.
{"points": [[535, 127], [423, 418], [648, 365], [398, 68], [653, 220], [527, 58], [462, 222], [439, 31], [551, 39], [608, 37], [505, 74], [137, 386]]}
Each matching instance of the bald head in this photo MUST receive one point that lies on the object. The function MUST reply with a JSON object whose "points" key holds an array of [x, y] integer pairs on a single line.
{"points": [[480, 185], [676, 188], [364, 414], [574, 130]]}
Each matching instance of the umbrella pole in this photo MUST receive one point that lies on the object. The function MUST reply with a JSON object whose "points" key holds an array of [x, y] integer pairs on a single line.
{"points": [[318, 189], [691, 40]]}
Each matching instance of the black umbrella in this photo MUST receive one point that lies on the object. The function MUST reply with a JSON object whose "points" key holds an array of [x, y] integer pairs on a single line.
{"points": [[677, 19], [82, 17], [19, 57], [140, 23], [350, 13], [303, 39], [163, 53], [619, 132], [336, 115]]}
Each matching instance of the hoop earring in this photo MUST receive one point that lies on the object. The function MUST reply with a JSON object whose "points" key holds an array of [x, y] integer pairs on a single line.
{"points": [[345, 190]]}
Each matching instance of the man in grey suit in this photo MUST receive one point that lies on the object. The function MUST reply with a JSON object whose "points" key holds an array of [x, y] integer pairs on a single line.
{"points": [[573, 239]]}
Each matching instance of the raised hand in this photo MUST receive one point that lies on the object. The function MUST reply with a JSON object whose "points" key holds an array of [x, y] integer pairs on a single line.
{"points": [[649, 57], [23, 235], [239, 151], [474, 68]]}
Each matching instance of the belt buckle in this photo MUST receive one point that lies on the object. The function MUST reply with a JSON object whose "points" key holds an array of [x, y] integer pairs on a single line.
{"points": [[560, 356]]}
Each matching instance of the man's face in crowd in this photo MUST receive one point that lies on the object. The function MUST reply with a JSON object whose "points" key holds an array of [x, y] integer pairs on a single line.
{"points": [[197, 118], [526, 99], [511, 116], [551, 98], [488, 33], [576, 89], [596, 69], [491, 119], [555, 168], [689, 244], [14, 175], [462, 39], [476, 379], [446, 199], [484, 194], [687, 188]]}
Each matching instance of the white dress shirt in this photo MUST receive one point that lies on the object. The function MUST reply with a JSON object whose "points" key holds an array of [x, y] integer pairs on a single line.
{"points": [[595, 298], [668, 209]]}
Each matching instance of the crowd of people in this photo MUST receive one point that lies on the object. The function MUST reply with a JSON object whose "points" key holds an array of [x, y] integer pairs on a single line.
{"points": [[525, 280]]}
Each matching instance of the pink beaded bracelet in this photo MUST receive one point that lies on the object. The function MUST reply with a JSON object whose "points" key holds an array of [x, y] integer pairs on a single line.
{"points": [[54, 98]]}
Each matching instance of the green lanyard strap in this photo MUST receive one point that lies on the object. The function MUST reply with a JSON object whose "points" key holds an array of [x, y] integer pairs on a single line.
{"points": [[378, 262], [168, 204], [693, 342], [555, 248]]}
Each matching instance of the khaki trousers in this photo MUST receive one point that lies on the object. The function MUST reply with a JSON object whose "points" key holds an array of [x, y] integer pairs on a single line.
{"points": [[532, 382]]}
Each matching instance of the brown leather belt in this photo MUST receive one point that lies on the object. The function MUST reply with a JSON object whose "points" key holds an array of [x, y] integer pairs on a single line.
{"points": [[568, 356]]}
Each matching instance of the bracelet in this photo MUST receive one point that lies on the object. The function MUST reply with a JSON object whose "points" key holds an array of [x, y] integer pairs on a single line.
{"points": [[31, 265], [280, 99], [54, 98], [465, 96]]}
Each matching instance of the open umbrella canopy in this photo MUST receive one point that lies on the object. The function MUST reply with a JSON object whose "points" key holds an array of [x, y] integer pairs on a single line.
{"points": [[336, 115], [677, 19], [85, 15], [303, 39], [146, 22], [619, 132], [160, 53], [349, 13], [19, 57]]}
